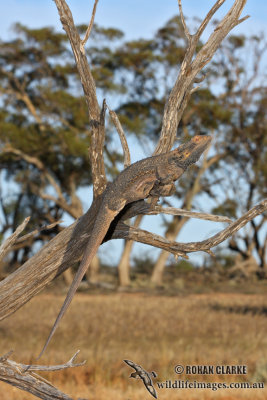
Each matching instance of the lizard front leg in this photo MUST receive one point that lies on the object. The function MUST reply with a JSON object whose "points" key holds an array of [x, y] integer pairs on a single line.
{"points": [[168, 174], [163, 190], [164, 185]]}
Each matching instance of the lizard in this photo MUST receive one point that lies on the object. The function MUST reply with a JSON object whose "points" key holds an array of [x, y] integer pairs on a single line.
{"points": [[151, 177]]}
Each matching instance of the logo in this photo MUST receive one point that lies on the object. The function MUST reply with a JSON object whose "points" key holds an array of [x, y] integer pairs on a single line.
{"points": [[146, 377]]}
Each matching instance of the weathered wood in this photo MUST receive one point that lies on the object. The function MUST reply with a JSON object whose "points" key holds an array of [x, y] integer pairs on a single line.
{"points": [[6, 246], [54, 258], [191, 67], [117, 124], [90, 26], [23, 377], [142, 236], [89, 89], [191, 214]]}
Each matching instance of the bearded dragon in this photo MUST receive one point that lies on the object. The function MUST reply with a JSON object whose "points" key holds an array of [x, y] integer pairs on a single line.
{"points": [[151, 177]]}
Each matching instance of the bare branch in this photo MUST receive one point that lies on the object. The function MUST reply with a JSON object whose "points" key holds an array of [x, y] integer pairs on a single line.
{"points": [[208, 17], [23, 377], [186, 31], [90, 26], [190, 214], [88, 84], [195, 89], [6, 246], [139, 235], [242, 20], [230, 20], [68, 364], [117, 124], [96, 150], [180, 94], [33, 233]]}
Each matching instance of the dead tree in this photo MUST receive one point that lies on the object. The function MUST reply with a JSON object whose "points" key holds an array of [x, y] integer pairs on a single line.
{"points": [[66, 248], [25, 377]]}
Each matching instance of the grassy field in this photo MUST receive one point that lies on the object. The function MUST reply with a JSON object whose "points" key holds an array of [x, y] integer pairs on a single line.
{"points": [[157, 332]]}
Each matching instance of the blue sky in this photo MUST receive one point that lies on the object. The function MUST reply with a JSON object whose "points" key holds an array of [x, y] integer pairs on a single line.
{"points": [[137, 18]]}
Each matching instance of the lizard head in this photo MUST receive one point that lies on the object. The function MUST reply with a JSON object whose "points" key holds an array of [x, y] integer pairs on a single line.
{"points": [[188, 153]]}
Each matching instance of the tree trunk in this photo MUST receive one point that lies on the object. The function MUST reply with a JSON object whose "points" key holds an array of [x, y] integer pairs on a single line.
{"points": [[92, 274], [171, 234], [124, 264], [67, 277]]}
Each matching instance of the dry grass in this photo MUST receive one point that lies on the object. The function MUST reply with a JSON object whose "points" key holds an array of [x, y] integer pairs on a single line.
{"points": [[155, 331]]}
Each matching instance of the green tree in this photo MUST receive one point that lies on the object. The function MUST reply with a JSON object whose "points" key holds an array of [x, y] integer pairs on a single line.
{"points": [[44, 130]]}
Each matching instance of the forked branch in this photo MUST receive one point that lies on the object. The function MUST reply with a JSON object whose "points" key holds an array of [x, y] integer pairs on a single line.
{"points": [[88, 84], [142, 236], [23, 377], [190, 68], [7, 244], [186, 31], [90, 26]]}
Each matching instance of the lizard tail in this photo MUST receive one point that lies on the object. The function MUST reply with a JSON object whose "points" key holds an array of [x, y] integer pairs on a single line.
{"points": [[99, 231]]}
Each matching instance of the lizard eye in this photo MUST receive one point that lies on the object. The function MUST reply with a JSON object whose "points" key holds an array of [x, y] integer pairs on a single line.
{"points": [[186, 154]]}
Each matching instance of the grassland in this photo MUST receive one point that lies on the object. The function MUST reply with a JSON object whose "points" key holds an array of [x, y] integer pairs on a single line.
{"points": [[157, 332]]}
